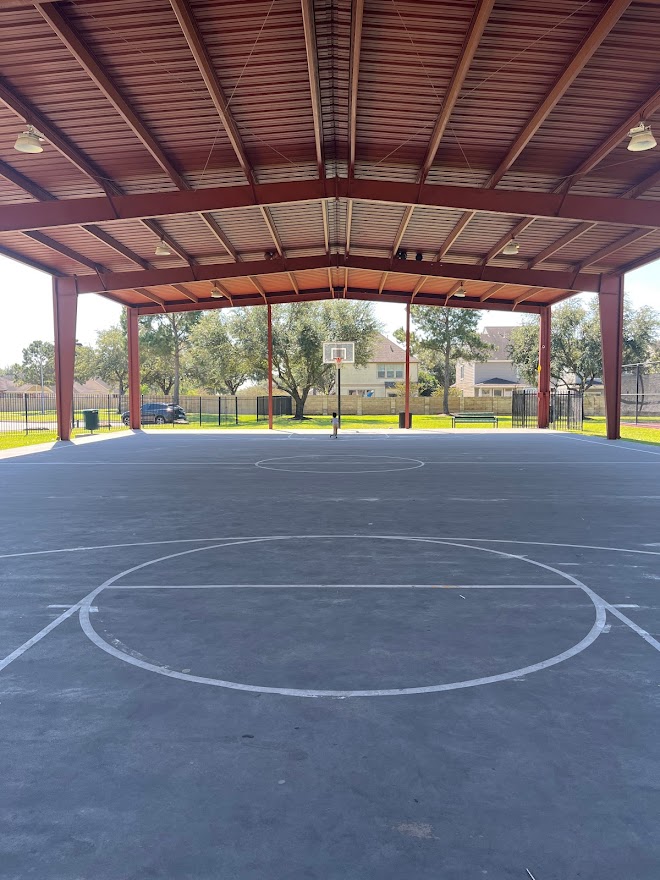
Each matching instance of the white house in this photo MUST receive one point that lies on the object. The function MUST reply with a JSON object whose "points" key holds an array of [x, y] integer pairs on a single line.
{"points": [[496, 377], [385, 370]]}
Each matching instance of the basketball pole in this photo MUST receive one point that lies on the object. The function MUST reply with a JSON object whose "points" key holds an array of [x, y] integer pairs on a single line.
{"points": [[339, 392], [270, 367], [407, 417]]}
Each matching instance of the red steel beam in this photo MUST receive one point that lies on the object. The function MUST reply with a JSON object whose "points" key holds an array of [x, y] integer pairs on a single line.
{"points": [[474, 33], [356, 293], [608, 19], [134, 396], [65, 308], [407, 415], [206, 67], [589, 45], [357, 15], [560, 243], [29, 113], [147, 294], [74, 212], [108, 281], [643, 112], [617, 245], [309, 27], [116, 245], [447, 244], [647, 183], [63, 249], [88, 61], [28, 261], [269, 319], [545, 350], [219, 234], [610, 301], [24, 183], [491, 292], [183, 290]]}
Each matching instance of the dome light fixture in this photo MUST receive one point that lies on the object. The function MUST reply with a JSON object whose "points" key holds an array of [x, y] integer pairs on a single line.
{"points": [[216, 293], [162, 249], [29, 141], [641, 138], [460, 291], [511, 248]]}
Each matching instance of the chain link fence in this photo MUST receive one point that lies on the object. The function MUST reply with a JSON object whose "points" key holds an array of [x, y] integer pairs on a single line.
{"points": [[640, 393]]}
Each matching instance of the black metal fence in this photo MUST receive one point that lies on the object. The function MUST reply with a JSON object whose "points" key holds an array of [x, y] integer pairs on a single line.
{"points": [[566, 410], [26, 413], [640, 393], [282, 406]]}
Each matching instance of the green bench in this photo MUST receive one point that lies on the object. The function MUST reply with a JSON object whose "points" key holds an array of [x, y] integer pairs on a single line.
{"points": [[473, 418]]}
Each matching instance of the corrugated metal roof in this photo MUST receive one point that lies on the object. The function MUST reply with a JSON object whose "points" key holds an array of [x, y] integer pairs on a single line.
{"points": [[140, 114]]}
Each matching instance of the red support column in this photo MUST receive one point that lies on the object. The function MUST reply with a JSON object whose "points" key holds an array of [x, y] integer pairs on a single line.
{"points": [[65, 307], [545, 344], [270, 367], [133, 369], [407, 417], [610, 301]]}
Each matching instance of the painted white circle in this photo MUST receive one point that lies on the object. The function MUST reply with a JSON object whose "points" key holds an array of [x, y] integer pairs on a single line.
{"points": [[345, 464], [588, 639]]}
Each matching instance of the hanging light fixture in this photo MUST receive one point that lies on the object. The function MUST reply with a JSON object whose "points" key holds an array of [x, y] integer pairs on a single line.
{"points": [[162, 249], [29, 141], [460, 291], [641, 138], [216, 293], [511, 248]]}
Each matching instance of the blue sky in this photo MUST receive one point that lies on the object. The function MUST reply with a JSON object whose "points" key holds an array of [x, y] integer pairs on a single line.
{"points": [[19, 324]]}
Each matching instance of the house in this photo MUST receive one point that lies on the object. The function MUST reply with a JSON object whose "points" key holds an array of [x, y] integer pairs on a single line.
{"points": [[379, 377], [496, 377]]}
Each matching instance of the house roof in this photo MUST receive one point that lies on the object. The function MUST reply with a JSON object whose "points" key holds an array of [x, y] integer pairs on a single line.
{"points": [[304, 150], [498, 381], [500, 337], [388, 352]]}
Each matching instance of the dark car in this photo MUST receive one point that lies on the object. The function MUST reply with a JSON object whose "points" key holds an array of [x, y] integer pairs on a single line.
{"points": [[158, 414]]}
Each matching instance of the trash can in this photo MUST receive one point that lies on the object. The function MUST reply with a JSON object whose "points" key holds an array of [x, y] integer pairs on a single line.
{"points": [[402, 420], [91, 417]]}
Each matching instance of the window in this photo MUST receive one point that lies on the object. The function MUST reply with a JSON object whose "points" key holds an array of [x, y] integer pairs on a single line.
{"points": [[381, 372], [462, 372], [399, 374], [390, 374], [497, 392]]}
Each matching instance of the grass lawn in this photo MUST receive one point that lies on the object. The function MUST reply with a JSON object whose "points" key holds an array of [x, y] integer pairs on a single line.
{"points": [[596, 427], [350, 423], [11, 441]]}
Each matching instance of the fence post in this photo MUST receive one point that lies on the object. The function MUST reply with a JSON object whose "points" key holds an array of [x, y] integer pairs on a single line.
{"points": [[200, 410], [236, 407], [26, 412], [637, 394]]}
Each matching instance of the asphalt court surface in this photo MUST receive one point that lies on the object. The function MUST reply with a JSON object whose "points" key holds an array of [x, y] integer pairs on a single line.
{"points": [[404, 655]]}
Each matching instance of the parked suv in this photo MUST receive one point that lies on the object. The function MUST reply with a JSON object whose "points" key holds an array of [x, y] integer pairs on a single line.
{"points": [[158, 414]]}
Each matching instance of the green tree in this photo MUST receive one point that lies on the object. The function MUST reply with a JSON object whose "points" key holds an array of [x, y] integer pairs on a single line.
{"points": [[85, 365], [38, 360], [164, 339], [576, 356], [215, 359], [443, 336], [299, 331], [111, 360]]}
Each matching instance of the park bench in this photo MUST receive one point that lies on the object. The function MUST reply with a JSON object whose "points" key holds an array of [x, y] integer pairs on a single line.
{"points": [[473, 417]]}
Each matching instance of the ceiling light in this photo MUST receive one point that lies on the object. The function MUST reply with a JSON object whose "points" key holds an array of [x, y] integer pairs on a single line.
{"points": [[511, 248], [162, 249], [216, 293], [29, 141], [269, 255], [460, 291], [641, 138], [401, 254], [419, 256]]}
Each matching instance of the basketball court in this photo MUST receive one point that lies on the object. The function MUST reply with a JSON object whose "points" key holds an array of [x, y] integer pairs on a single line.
{"points": [[397, 655]]}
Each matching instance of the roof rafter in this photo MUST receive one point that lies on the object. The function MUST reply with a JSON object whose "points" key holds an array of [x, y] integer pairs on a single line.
{"points": [[184, 290], [474, 33], [561, 280], [357, 15], [203, 60], [88, 61], [309, 26], [560, 243], [63, 249], [607, 20], [617, 245]]}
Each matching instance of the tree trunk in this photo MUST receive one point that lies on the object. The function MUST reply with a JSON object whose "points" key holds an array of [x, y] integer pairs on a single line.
{"points": [[301, 400], [445, 389], [177, 369]]}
